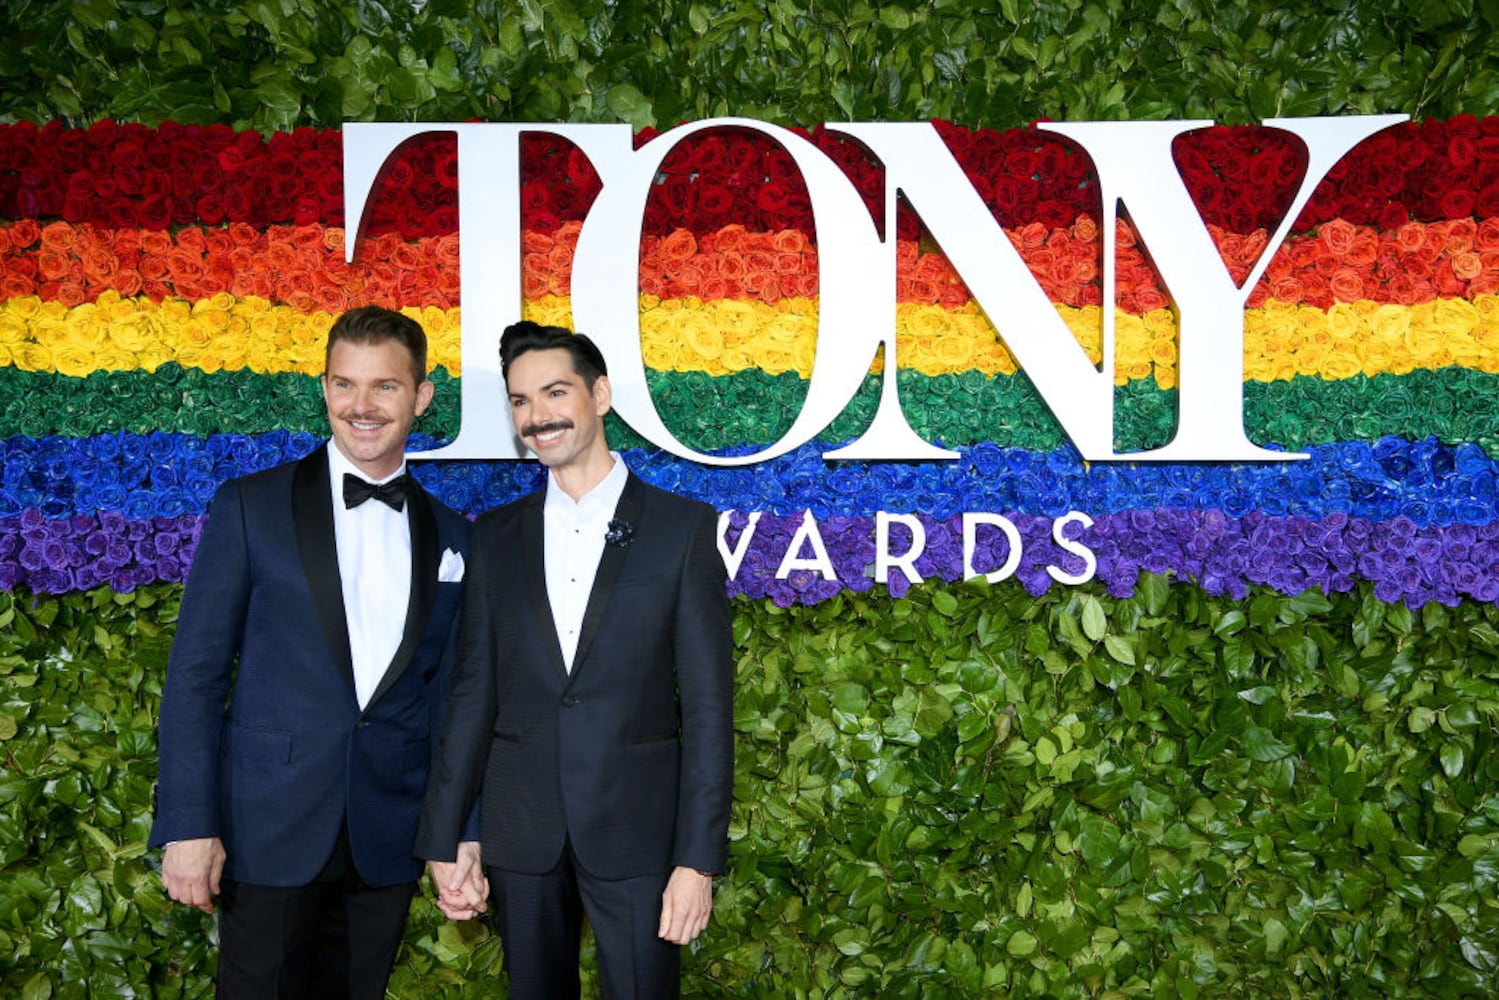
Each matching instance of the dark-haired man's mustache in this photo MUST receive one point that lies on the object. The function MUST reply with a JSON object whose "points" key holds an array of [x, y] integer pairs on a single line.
{"points": [[531, 430]]}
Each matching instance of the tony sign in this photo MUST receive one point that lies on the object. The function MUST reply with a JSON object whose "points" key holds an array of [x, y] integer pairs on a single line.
{"points": [[857, 279]]}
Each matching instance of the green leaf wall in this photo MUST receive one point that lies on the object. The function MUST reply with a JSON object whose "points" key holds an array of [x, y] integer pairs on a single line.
{"points": [[273, 64], [965, 792]]}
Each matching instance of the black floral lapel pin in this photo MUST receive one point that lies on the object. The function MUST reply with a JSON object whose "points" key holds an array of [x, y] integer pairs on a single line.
{"points": [[620, 534]]}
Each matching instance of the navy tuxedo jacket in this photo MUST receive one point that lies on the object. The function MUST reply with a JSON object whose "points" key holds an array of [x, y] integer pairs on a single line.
{"points": [[262, 740], [631, 755]]}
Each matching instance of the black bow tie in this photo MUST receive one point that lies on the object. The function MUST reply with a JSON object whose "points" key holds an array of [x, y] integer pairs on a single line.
{"points": [[357, 491]]}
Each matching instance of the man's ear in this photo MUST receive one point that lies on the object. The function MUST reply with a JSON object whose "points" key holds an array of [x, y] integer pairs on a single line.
{"points": [[603, 395], [424, 396]]}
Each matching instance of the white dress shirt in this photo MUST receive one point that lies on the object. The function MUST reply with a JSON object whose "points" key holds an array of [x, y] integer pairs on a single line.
{"points": [[374, 566], [574, 544]]}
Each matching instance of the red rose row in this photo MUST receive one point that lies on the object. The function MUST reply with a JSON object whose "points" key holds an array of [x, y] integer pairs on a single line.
{"points": [[131, 176]]}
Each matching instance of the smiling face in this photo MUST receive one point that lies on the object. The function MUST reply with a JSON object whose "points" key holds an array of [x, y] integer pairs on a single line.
{"points": [[558, 416], [372, 398]]}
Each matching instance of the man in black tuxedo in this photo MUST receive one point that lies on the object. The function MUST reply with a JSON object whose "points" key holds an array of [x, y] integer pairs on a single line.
{"points": [[591, 710], [322, 608]]}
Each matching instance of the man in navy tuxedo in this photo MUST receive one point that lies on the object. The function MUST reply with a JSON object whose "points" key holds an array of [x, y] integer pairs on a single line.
{"points": [[591, 710], [306, 685]]}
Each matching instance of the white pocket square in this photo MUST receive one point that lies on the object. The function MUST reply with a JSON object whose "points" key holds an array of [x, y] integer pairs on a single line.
{"points": [[450, 570]]}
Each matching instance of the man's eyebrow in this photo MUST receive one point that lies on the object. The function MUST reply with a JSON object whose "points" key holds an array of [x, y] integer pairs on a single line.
{"points": [[540, 389]]}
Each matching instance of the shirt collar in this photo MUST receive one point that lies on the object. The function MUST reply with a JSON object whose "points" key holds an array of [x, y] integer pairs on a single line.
{"points": [[338, 464], [605, 495]]}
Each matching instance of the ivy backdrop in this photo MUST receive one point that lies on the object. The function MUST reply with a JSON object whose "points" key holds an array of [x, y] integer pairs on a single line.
{"points": [[1251, 756]]}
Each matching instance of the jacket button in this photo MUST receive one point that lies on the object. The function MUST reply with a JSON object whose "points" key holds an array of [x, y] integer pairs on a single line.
{"points": [[363, 723], [568, 701]]}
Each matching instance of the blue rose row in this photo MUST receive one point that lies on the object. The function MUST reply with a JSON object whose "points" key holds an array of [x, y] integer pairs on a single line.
{"points": [[167, 475], [791, 559]]}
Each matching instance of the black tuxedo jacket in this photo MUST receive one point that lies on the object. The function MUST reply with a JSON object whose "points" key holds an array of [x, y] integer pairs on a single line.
{"points": [[631, 755], [262, 741]]}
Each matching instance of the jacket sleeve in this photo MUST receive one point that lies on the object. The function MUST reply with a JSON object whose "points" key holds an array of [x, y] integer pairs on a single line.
{"points": [[210, 627], [703, 652], [450, 812]]}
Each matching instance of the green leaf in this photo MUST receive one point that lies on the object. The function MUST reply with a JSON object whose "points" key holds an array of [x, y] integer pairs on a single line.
{"points": [[1471, 845], [1275, 935], [1373, 828], [1262, 745], [1229, 624], [1121, 648], [1094, 622], [1452, 757], [630, 105], [1021, 944], [851, 698], [1046, 752]]}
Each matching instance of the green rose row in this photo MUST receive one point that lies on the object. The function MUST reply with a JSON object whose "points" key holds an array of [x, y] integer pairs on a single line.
{"points": [[753, 408]]}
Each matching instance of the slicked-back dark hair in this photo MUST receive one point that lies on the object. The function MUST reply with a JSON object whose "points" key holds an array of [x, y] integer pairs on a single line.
{"points": [[376, 325], [519, 338]]}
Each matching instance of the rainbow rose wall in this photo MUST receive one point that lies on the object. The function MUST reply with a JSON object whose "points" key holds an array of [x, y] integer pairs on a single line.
{"points": [[1206, 728]]}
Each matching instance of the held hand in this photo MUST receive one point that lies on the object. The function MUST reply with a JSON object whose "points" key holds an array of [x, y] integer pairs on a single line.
{"points": [[685, 906], [461, 886], [190, 871]]}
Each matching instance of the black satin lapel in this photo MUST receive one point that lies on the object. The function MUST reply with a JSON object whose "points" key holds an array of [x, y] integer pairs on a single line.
{"points": [[612, 561], [533, 564], [312, 519], [424, 563]]}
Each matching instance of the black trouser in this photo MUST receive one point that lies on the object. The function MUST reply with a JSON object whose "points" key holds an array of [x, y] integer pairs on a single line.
{"points": [[540, 920], [332, 938]]}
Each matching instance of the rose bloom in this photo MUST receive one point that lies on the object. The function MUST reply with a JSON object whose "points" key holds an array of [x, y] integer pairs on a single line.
{"points": [[907, 252], [1150, 299], [1457, 236], [1411, 237], [714, 287], [1450, 318], [1031, 236], [98, 265], [52, 265], [792, 241], [917, 290], [691, 278], [31, 356], [133, 333], [74, 360], [533, 242], [58, 236], [730, 265], [1347, 284], [1467, 265], [1363, 250], [729, 237], [13, 329], [1446, 281], [24, 232], [679, 245], [951, 354]]}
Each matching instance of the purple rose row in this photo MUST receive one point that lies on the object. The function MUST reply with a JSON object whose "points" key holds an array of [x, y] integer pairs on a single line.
{"points": [[1221, 554], [92, 550]]}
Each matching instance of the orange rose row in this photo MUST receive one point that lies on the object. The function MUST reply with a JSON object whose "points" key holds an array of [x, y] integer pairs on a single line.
{"points": [[303, 266]]}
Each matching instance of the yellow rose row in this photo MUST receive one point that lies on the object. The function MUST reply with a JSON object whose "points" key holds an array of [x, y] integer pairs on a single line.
{"points": [[1281, 340]]}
